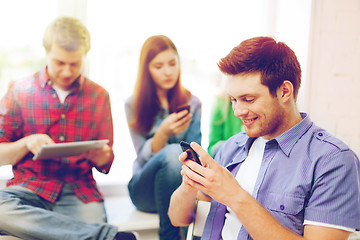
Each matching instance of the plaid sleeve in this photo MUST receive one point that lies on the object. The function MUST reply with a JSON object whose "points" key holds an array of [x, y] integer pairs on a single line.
{"points": [[11, 122], [105, 128]]}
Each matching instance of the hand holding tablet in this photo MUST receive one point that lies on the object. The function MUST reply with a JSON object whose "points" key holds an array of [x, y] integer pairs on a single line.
{"points": [[68, 149]]}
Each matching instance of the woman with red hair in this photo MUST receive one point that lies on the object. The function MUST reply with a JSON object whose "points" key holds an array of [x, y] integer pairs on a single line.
{"points": [[156, 128]]}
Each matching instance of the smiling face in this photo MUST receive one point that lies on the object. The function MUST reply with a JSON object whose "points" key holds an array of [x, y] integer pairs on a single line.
{"points": [[64, 67], [164, 69], [262, 114]]}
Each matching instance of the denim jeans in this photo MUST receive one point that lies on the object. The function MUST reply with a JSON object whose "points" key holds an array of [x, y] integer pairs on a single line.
{"points": [[26, 215], [150, 189]]}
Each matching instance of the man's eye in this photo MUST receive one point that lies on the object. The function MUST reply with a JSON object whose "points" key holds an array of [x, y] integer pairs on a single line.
{"points": [[233, 100], [249, 100]]}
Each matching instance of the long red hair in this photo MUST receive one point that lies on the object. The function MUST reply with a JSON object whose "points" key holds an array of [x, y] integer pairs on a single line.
{"points": [[146, 103]]}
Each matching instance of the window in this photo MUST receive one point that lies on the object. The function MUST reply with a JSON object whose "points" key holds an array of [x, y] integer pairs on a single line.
{"points": [[203, 31], [21, 51]]}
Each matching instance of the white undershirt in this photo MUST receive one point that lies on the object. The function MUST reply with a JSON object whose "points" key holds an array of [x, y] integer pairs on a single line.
{"points": [[246, 176], [62, 94]]}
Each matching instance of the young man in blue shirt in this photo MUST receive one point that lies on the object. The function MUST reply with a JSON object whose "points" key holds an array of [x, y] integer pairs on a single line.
{"points": [[285, 177]]}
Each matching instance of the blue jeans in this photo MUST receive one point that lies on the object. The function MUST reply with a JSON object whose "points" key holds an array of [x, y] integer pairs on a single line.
{"points": [[150, 190], [26, 215]]}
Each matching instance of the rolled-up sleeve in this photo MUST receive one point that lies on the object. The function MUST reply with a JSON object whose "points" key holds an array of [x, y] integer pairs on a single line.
{"points": [[11, 123], [336, 191]]}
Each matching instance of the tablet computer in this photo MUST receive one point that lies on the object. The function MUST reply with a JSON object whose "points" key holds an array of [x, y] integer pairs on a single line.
{"points": [[68, 149]]}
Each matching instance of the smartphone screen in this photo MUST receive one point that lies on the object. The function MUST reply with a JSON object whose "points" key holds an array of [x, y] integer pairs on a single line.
{"points": [[192, 155]]}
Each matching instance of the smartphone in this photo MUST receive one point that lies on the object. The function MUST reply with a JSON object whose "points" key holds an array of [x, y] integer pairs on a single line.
{"points": [[183, 107], [192, 155]]}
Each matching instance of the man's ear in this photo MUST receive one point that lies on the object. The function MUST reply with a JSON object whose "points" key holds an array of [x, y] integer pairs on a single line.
{"points": [[285, 91]]}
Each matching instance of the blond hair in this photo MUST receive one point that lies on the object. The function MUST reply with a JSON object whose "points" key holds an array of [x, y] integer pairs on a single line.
{"points": [[68, 33]]}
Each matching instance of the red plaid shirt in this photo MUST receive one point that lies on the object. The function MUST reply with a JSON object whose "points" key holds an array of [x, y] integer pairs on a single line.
{"points": [[32, 106]]}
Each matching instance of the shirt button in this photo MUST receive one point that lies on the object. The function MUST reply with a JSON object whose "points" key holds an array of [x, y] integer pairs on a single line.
{"points": [[320, 134], [61, 138], [63, 116], [282, 207], [54, 95]]}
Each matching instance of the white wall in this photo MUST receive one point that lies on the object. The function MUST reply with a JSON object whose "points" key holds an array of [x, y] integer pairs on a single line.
{"points": [[333, 86]]}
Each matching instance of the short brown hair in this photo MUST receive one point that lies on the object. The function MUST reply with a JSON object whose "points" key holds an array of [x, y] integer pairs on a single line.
{"points": [[68, 33], [275, 61]]}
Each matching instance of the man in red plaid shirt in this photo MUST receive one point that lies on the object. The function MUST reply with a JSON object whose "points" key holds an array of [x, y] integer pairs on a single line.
{"points": [[56, 198]]}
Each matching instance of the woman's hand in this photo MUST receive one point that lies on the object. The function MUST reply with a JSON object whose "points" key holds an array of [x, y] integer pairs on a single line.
{"points": [[173, 124], [176, 123]]}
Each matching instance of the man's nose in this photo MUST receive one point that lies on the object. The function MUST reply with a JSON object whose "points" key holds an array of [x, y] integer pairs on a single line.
{"points": [[239, 109], [67, 71]]}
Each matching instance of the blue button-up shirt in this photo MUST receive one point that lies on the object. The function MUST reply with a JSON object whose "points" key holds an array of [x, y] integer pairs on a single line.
{"points": [[305, 174]]}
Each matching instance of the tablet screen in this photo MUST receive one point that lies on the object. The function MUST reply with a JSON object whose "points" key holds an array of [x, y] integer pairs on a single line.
{"points": [[68, 149]]}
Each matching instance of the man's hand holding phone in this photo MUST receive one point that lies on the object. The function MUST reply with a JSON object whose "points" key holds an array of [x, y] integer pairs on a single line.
{"points": [[210, 178], [191, 154]]}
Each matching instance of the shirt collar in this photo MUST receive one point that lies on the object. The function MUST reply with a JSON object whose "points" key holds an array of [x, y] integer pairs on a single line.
{"points": [[244, 143], [288, 139], [45, 80]]}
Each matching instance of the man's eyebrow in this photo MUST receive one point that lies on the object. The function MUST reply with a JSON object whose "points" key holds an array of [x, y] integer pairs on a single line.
{"points": [[242, 95], [247, 95]]}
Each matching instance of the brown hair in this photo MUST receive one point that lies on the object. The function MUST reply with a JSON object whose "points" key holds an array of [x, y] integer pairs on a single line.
{"points": [[275, 61], [146, 103], [68, 33]]}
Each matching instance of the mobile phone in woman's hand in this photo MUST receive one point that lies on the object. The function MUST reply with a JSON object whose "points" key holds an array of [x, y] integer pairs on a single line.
{"points": [[183, 107]]}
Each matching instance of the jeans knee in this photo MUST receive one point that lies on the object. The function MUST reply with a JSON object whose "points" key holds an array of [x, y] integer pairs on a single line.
{"points": [[8, 205], [170, 154]]}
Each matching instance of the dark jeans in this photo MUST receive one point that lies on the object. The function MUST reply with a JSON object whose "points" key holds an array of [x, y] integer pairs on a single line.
{"points": [[150, 190]]}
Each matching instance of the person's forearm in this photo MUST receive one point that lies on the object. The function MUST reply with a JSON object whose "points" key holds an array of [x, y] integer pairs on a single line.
{"points": [[160, 139], [11, 153], [258, 222], [182, 206]]}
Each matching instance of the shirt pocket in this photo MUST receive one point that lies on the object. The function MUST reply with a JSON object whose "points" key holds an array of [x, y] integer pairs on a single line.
{"points": [[288, 209]]}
